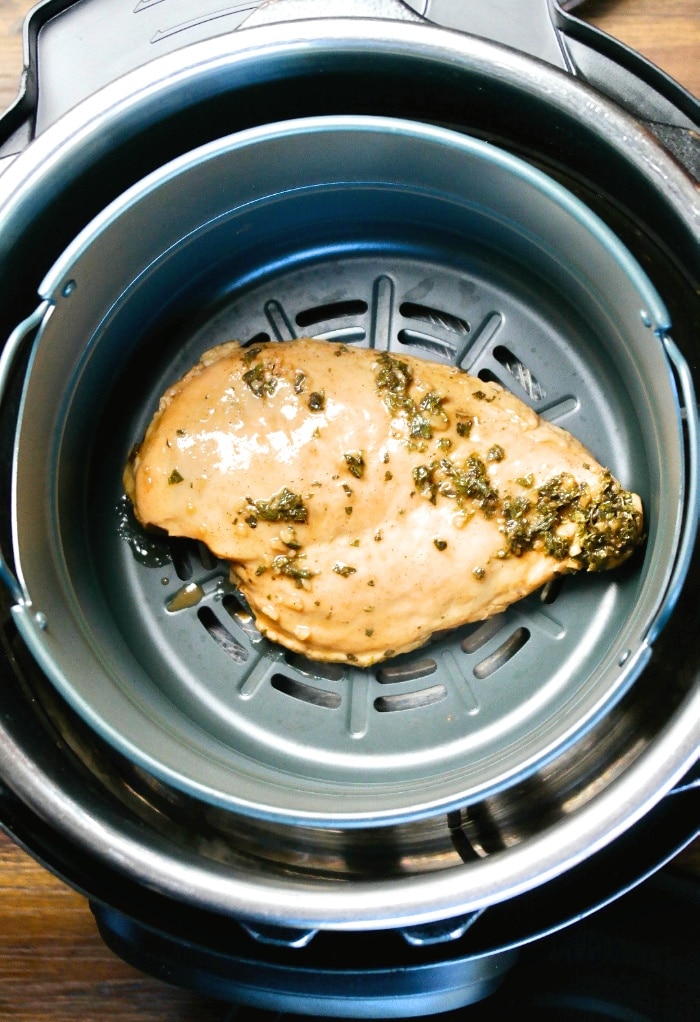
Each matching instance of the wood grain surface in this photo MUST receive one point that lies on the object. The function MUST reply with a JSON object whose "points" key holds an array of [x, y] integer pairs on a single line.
{"points": [[53, 964]]}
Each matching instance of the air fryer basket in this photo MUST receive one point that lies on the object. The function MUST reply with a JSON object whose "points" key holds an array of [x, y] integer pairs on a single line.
{"points": [[373, 232]]}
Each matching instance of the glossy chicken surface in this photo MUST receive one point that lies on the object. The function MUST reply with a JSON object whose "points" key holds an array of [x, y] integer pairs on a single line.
{"points": [[367, 500]]}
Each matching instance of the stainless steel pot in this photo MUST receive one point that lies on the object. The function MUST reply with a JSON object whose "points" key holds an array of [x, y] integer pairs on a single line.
{"points": [[459, 850]]}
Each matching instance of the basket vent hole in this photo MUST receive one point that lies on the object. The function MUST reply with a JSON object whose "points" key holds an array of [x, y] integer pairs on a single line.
{"points": [[333, 310], [305, 693], [240, 615], [413, 339], [221, 635], [482, 634], [314, 668], [206, 557], [505, 652], [435, 317], [181, 553], [262, 338], [406, 672], [410, 700], [489, 377], [520, 372], [551, 591]]}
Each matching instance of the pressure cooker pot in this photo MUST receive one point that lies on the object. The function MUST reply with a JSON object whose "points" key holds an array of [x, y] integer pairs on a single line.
{"points": [[386, 184]]}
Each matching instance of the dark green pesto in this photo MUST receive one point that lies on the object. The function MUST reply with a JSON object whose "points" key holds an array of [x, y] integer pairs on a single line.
{"points": [[250, 354], [607, 526], [432, 403], [288, 565], [393, 379], [356, 463], [284, 506], [261, 383], [344, 569], [470, 481]]}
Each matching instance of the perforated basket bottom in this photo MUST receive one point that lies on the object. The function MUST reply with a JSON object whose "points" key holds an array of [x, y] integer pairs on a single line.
{"points": [[474, 709]]}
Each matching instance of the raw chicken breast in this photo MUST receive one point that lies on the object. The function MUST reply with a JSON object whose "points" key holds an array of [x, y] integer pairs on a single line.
{"points": [[366, 500]]}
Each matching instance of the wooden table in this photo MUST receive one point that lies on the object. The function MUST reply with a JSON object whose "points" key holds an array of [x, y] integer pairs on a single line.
{"points": [[53, 964]]}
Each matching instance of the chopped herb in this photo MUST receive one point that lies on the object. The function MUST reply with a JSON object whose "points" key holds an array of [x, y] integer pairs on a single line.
{"points": [[260, 383], [181, 432], [470, 481], [317, 401], [299, 381], [440, 544], [478, 573], [348, 509], [347, 490], [369, 632], [393, 374], [378, 536], [174, 477], [432, 402], [252, 521], [261, 569], [393, 378], [250, 354], [444, 443], [284, 506], [355, 463], [464, 426], [495, 453], [388, 476], [344, 570], [423, 477], [289, 566], [527, 482]]}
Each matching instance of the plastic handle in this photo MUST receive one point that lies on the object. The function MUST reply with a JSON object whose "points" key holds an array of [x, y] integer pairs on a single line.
{"points": [[9, 353], [528, 26], [273, 11], [692, 494]]}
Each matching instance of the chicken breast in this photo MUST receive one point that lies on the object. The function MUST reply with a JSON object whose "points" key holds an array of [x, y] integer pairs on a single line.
{"points": [[366, 501]]}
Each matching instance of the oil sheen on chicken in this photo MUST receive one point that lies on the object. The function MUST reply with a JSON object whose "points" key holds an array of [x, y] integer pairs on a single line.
{"points": [[367, 500]]}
